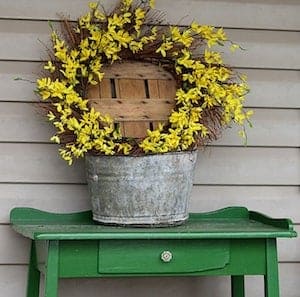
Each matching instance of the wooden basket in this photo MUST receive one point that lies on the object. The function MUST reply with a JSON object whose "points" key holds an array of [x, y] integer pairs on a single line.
{"points": [[136, 95]]}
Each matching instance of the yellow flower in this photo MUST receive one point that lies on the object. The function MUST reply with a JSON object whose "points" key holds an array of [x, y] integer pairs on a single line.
{"points": [[44, 82], [249, 113], [139, 17], [85, 20], [125, 147], [115, 21], [212, 57], [127, 3], [49, 66], [165, 46], [152, 3], [185, 60], [93, 5], [185, 38], [172, 139], [51, 116], [99, 16], [242, 133], [59, 126], [139, 13], [55, 139], [136, 46], [178, 119], [73, 124], [234, 47]]}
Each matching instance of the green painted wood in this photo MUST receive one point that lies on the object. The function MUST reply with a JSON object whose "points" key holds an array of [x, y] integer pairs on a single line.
{"points": [[33, 282], [80, 258], [280, 223], [42, 254], [271, 276], [232, 222], [51, 277], [27, 215], [231, 241], [237, 286], [145, 256]]}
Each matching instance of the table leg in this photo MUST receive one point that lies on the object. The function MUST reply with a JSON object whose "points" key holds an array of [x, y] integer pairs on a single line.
{"points": [[237, 286], [51, 274], [271, 277], [33, 282]]}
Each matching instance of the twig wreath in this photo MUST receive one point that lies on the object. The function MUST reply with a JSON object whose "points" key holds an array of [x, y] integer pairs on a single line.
{"points": [[209, 94]]}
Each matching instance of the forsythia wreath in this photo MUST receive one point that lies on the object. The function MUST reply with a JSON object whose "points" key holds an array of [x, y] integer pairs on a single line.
{"points": [[209, 96]]}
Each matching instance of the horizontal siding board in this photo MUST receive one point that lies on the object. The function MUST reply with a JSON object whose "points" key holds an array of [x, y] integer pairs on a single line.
{"points": [[248, 166], [13, 280], [24, 40], [13, 283], [16, 90], [216, 165], [14, 249], [49, 197], [265, 49], [273, 88], [276, 201], [228, 13], [37, 163], [270, 128], [23, 122], [269, 88], [234, 13]]}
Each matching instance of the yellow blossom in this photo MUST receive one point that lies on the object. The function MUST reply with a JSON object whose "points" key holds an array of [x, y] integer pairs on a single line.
{"points": [[99, 16], [93, 5], [49, 66], [152, 3], [55, 139], [139, 17], [234, 47], [212, 57], [125, 147], [85, 20], [126, 4], [185, 59], [165, 46], [185, 37], [51, 116]]}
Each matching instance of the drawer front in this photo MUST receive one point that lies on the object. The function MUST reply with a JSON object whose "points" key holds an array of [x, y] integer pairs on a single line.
{"points": [[162, 256]]}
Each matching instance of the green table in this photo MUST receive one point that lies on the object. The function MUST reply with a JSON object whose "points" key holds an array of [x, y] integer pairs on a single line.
{"points": [[231, 241]]}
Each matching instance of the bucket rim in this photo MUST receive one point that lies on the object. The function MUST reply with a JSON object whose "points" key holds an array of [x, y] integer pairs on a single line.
{"points": [[192, 152]]}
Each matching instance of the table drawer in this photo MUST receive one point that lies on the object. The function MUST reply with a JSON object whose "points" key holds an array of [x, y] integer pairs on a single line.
{"points": [[162, 256]]}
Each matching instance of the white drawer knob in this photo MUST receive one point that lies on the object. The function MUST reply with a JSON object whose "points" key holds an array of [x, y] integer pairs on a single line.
{"points": [[166, 256]]}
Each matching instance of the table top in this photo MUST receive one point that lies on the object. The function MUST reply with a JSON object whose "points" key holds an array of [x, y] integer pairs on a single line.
{"points": [[231, 222]]}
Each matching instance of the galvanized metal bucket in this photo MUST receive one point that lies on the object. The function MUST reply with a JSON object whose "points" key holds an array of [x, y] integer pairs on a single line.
{"points": [[151, 190]]}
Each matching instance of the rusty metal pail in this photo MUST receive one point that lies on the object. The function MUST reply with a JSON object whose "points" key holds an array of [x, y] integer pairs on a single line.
{"points": [[151, 190]]}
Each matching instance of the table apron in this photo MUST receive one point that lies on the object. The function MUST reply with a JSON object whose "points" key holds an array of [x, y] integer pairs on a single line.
{"points": [[193, 257]]}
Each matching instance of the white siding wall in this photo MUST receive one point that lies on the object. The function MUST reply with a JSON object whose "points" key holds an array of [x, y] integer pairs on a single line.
{"points": [[263, 176]]}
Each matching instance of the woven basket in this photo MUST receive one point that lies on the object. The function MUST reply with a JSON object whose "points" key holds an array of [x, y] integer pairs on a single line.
{"points": [[136, 95]]}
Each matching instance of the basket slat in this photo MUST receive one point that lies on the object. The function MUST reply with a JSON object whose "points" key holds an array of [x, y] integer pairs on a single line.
{"points": [[136, 70], [166, 89], [134, 109], [133, 89]]}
